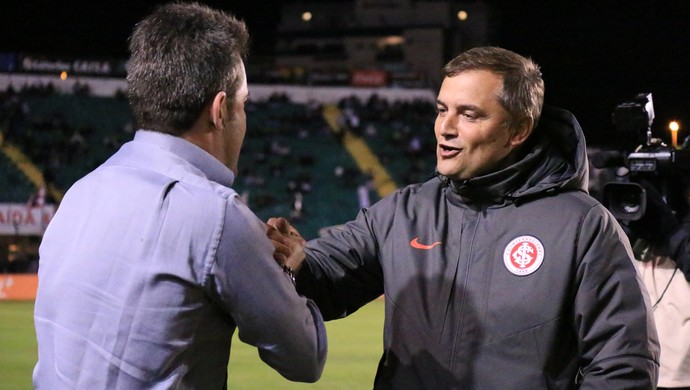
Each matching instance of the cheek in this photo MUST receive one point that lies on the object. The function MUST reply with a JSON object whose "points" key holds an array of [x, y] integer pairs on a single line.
{"points": [[497, 149], [241, 129], [437, 128], [491, 140]]}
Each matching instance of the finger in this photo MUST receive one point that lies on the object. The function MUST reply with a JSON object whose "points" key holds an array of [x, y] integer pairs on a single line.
{"points": [[275, 235], [294, 232], [283, 225], [272, 222], [280, 243], [281, 251], [279, 223]]}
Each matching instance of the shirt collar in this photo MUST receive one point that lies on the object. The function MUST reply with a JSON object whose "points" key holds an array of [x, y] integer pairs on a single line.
{"points": [[199, 158]]}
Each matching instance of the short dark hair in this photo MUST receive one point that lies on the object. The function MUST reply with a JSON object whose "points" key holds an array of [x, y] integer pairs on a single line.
{"points": [[181, 56], [523, 87]]}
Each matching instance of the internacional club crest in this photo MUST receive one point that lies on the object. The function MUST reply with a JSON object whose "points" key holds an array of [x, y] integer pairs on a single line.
{"points": [[523, 255]]}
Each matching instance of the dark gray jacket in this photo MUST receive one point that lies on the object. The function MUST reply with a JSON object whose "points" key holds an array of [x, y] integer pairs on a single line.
{"points": [[514, 280]]}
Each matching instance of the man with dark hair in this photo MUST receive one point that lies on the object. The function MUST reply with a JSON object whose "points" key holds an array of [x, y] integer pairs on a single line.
{"points": [[501, 272], [152, 261]]}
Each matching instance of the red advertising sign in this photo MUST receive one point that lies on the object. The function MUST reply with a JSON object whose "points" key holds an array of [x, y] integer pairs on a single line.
{"points": [[369, 78], [22, 220]]}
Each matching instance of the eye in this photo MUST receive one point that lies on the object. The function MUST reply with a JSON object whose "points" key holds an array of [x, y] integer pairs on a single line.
{"points": [[470, 116]]}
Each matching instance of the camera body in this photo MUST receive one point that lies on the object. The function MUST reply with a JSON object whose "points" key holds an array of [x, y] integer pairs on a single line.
{"points": [[663, 166]]}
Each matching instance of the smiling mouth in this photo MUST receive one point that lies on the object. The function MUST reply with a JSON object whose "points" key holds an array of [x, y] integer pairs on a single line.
{"points": [[446, 151]]}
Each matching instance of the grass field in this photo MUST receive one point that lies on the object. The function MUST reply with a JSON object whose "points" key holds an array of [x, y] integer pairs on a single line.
{"points": [[354, 348]]}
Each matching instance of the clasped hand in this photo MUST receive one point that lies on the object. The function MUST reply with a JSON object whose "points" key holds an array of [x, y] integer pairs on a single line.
{"points": [[287, 241]]}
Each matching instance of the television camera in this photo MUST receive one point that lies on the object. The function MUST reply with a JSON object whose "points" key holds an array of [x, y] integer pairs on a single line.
{"points": [[664, 167]]}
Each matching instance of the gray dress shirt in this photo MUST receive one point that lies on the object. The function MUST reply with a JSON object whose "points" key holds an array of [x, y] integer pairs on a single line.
{"points": [[147, 268]]}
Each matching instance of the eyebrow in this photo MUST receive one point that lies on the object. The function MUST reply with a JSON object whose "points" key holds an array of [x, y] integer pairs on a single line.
{"points": [[462, 107], [469, 107]]}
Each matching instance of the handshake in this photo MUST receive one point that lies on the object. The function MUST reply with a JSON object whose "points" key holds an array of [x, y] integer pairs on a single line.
{"points": [[288, 243]]}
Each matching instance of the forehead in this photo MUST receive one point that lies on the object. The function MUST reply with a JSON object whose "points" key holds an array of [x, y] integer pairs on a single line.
{"points": [[478, 86], [244, 89]]}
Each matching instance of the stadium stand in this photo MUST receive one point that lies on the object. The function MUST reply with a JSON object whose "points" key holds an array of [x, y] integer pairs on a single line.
{"points": [[16, 187], [296, 161]]}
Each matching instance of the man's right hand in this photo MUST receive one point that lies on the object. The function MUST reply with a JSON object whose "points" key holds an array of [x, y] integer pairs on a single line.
{"points": [[287, 241]]}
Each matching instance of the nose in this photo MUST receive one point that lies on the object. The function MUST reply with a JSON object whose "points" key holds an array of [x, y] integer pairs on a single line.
{"points": [[446, 127]]}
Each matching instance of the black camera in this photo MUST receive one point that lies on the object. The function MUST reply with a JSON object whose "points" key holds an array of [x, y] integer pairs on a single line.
{"points": [[651, 160]]}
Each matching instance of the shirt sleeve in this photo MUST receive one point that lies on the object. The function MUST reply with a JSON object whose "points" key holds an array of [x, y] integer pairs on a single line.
{"points": [[286, 328], [618, 341], [342, 271]]}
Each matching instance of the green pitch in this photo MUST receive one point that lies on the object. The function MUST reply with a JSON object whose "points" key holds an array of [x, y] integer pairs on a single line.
{"points": [[354, 348]]}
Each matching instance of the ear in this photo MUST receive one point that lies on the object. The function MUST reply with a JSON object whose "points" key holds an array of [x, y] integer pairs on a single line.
{"points": [[217, 110], [521, 130]]}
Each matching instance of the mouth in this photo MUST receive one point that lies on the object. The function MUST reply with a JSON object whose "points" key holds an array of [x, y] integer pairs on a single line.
{"points": [[447, 151]]}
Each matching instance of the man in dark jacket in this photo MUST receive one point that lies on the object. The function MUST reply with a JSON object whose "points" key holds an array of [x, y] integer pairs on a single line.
{"points": [[501, 272]]}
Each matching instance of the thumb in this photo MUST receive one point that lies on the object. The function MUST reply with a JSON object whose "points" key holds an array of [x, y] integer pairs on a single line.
{"points": [[281, 224]]}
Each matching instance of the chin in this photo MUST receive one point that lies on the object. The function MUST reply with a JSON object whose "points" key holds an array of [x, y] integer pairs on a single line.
{"points": [[445, 170], [452, 175]]}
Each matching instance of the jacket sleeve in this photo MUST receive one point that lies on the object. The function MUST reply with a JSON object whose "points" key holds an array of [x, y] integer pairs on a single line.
{"points": [[616, 333], [342, 271], [286, 328]]}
